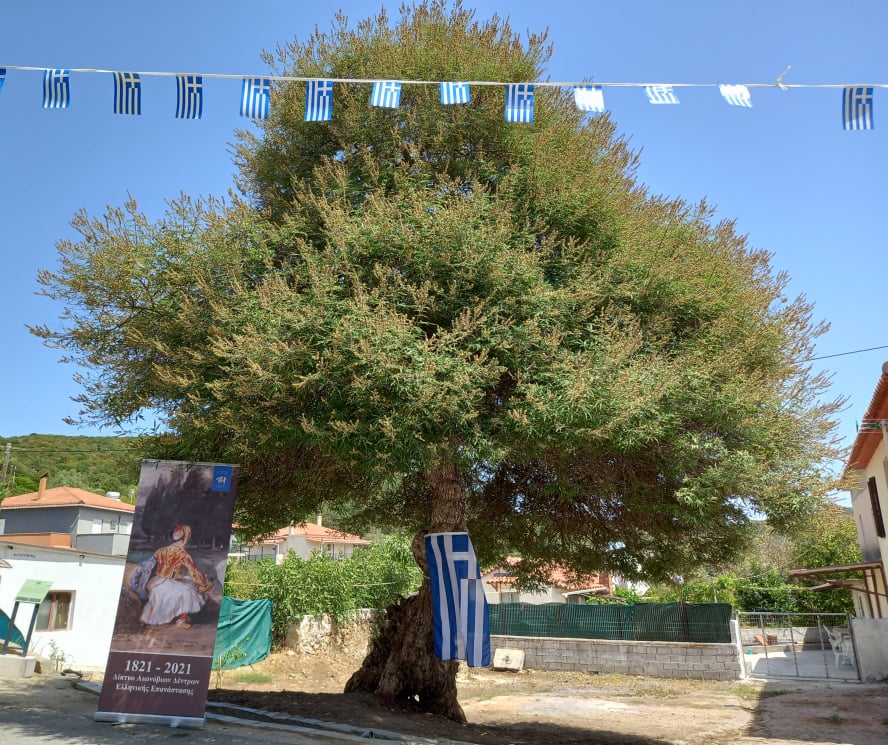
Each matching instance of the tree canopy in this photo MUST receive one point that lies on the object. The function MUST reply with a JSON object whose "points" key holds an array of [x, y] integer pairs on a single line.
{"points": [[444, 320]]}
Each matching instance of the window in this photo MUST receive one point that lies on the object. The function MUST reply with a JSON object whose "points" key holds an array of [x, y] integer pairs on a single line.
{"points": [[97, 525], [54, 612], [877, 508]]}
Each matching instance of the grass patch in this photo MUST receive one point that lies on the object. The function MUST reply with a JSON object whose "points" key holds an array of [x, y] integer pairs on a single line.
{"points": [[253, 678]]}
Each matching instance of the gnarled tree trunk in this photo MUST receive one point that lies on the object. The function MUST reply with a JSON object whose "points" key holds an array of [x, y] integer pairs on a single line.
{"points": [[402, 665]]}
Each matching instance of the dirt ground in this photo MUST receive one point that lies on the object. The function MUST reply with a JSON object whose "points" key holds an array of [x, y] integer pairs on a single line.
{"points": [[561, 708]]}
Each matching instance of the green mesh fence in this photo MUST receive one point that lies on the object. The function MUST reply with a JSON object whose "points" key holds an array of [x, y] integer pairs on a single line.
{"points": [[665, 622]]}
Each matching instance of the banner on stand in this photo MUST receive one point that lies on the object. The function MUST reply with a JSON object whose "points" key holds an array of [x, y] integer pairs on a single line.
{"points": [[161, 653]]}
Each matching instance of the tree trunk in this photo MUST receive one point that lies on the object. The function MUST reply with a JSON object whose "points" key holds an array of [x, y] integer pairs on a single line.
{"points": [[402, 665]]}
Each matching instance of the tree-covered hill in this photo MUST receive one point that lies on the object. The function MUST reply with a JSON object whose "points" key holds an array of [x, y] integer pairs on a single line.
{"points": [[98, 464]]}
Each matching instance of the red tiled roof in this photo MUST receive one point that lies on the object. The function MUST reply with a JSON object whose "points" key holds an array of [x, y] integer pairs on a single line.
{"points": [[317, 534], [558, 576], [867, 439], [65, 496]]}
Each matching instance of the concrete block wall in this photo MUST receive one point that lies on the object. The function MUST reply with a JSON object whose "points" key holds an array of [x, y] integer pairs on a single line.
{"points": [[656, 659]]}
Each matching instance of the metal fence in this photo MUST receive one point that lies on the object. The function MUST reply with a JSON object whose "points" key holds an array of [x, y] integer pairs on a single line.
{"points": [[661, 622], [798, 645]]}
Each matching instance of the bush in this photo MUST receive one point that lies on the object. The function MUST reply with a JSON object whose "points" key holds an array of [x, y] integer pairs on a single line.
{"points": [[373, 578]]}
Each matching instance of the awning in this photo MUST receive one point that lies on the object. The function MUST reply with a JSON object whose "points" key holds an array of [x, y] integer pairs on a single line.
{"points": [[837, 569], [872, 588]]}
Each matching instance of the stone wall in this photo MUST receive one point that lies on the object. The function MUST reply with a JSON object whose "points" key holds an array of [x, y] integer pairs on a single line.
{"points": [[657, 659], [322, 634]]}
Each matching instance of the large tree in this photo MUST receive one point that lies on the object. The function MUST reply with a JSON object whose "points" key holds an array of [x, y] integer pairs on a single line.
{"points": [[444, 321]]}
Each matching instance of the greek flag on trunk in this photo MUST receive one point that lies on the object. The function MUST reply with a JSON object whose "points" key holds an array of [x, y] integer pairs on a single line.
{"points": [[462, 627]]}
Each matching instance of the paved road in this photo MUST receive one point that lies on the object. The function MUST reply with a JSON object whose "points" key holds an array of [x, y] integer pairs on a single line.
{"points": [[46, 709]]}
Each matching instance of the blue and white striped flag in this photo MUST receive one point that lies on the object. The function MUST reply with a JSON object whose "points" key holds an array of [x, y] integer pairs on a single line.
{"points": [[519, 103], [454, 93], [462, 626], [56, 89], [736, 95], [589, 98], [256, 98], [386, 94], [660, 94], [857, 108], [318, 100], [189, 96], [127, 93], [2, 77]]}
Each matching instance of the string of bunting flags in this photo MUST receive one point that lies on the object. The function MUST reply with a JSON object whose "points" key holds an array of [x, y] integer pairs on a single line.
{"points": [[857, 100]]}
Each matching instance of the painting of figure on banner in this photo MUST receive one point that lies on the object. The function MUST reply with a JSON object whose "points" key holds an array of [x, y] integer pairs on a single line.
{"points": [[172, 583]]}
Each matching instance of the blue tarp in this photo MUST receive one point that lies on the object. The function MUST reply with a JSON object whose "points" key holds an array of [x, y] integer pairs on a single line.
{"points": [[17, 636], [244, 633]]}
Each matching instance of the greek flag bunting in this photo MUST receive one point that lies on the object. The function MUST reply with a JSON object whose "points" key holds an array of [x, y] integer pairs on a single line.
{"points": [[461, 623], [660, 94], [56, 89], [857, 108], [519, 103], [127, 93], [189, 96], [318, 100], [736, 95], [589, 98], [2, 77], [386, 94], [255, 98], [454, 93]]}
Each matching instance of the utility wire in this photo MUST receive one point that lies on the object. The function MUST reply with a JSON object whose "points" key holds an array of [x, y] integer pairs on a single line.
{"points": [[843, 354]]}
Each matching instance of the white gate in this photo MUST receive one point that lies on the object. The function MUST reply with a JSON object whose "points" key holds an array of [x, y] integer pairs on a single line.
{"points": [[798, 645]]}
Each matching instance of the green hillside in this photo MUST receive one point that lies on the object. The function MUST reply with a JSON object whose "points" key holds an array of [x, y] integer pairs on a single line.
{"points": [[99, 464]]}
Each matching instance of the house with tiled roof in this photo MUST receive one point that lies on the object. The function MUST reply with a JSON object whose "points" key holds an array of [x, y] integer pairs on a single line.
{"points": [[867, 472], [303, 539], [559, 586], [68, 516]]}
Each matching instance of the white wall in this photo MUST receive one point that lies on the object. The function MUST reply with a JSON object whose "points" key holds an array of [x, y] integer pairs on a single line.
{"points": [[873, 548], [493, 594], [95, 583], [871, 642]]}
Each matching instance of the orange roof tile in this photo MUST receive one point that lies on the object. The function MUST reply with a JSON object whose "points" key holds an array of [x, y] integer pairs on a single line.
{"points": [[868, 439], [317, 533], [65, 496], [558, 576]]}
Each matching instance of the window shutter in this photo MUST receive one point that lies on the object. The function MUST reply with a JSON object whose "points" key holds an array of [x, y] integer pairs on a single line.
{"points": [[877, 508]]}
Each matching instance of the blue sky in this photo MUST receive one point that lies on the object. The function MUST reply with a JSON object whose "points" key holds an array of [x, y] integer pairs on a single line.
{"points": [[793, 180]]}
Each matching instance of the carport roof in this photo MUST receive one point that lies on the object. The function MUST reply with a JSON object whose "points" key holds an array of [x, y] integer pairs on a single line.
{"points": [[834, 569]]}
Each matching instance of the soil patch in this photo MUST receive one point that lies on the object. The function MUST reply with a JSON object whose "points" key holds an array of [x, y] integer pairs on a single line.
{"points": [[568, 708]]}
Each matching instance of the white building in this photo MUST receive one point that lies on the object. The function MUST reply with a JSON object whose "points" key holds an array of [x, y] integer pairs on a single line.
{"points": [[560, 586], [79, 612], [867, 467], [303, 540]]}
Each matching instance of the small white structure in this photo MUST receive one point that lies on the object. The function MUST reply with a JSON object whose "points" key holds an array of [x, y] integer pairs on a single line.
{"points": [[76, 619], [302, 539]]}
